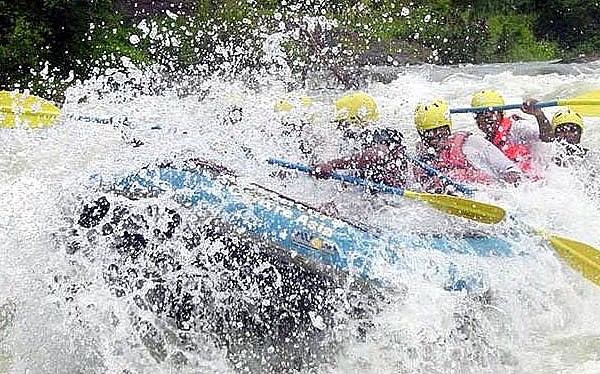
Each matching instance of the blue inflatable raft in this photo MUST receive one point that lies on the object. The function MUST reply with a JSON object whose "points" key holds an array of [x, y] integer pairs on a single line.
{"points": [[294, 229]]}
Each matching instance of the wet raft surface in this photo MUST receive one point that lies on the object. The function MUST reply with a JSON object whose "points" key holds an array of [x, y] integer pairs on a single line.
{"points": [[200, 276]]}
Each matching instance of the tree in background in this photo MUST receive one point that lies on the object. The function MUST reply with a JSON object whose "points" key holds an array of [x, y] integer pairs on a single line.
{"points": [[47, 44], [574, 24]]}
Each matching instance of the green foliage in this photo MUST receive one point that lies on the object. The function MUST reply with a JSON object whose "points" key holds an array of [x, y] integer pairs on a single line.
{"points": [[28, 39], [511, 38], [45, 41], [574, 24]]}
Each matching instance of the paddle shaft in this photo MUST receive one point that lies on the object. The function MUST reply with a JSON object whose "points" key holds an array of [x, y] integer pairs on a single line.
{"points": [[431, 171], [501, 108], [109, 120], [345, 178], [544, 104]]}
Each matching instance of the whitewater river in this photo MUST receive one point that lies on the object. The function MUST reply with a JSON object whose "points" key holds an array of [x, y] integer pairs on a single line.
{"points": [[58, 315]]}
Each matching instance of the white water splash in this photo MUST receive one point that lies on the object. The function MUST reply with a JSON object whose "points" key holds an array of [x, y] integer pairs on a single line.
{"points": [[540, 317]]}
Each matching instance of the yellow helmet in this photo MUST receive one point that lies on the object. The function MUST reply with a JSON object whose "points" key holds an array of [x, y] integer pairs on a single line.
{"points": [[357, 107], [566, 115], [486, 98], [284, 105], [433, 115], [305, 101]]}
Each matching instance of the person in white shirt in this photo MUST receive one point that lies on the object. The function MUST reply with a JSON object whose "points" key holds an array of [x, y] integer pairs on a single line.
{"points": [[463, 156]]}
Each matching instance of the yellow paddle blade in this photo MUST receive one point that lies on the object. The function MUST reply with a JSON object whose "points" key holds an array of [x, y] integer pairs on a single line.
{"points": [[587, 105], [580, 256], [473, 210], [17, 109]]}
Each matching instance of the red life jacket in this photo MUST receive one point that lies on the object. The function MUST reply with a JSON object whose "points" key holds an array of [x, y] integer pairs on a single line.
{"points": [[452, 162], [519, 153]]}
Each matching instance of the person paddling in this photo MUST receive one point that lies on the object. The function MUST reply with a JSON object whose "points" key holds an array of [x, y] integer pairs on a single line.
{"points": [[564, 130], [378, 153], [462, 156], [517, 138], [381, 161], [567, 126], [511, 134], [356, 115], [353, 114]]}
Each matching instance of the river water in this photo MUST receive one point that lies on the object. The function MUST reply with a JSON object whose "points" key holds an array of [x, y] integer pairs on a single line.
{"points": [[541, 316]]}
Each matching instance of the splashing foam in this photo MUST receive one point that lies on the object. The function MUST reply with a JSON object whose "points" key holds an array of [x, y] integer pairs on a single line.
{"points": [[44, 176]]}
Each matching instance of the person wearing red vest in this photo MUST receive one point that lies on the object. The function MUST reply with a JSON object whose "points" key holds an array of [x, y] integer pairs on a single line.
{"points": [[518, 138], [512, 134], [462, 156]]}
